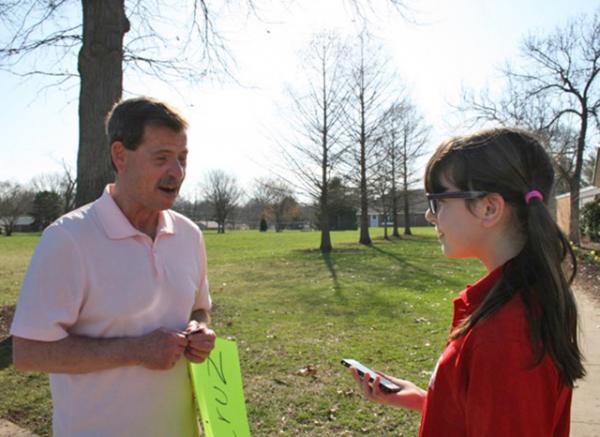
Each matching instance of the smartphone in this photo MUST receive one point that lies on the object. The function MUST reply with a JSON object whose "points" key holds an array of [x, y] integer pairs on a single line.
{"points": [[385, 384], [195, 331]]}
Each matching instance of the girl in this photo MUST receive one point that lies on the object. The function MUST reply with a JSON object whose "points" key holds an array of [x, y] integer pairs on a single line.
{"points": [[512, 357]]}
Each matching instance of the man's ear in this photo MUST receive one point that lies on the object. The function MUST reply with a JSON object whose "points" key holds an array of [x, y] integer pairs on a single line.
{"points": [[490, 209], [118, 154]]}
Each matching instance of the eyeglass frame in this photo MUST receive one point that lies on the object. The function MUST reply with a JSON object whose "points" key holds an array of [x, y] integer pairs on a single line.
{"points": [[432, 198]]}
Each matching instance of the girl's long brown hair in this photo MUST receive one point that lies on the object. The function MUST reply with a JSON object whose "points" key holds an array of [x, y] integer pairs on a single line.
{"points": [[513, 162]]}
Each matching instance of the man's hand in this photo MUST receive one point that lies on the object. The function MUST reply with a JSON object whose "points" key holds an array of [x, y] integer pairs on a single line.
{"points": [[161, 349], [201, 341]]}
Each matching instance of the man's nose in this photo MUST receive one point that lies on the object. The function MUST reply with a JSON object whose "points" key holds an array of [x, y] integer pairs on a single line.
{"points": [[177, 169]]}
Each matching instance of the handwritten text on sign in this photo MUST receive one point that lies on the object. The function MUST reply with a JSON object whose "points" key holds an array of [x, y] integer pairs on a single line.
{"points": [[219, 392]]}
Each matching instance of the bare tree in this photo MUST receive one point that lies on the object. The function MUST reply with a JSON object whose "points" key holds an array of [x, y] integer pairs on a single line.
{"points": [[392, 118], [316, 150], [405, 137], [555, 91], [42, 36], [382, 190], [50, 182], [515, 108], [63, 184], [15, 201], [278, 200], [68, 188], [370, 83], [223, 193], [366, 8], [254, 211]]}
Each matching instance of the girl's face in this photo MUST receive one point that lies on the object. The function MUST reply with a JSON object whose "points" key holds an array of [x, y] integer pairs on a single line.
{"points": [[459, 230]]}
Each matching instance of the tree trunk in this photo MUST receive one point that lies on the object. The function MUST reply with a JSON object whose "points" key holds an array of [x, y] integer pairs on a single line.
{"points": [[324, 224], [385, 227], [364, 213], [395, 232], [364, 200], [574, 215], [325, 246], [575, 183], [100, 68], [407, 230]]}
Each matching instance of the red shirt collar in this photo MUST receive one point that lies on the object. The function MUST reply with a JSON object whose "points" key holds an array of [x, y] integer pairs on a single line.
{"points": [[472, 296]]}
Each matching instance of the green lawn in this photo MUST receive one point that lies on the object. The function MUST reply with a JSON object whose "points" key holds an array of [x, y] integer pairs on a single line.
{"points": [[288, 306], [15, 252]]}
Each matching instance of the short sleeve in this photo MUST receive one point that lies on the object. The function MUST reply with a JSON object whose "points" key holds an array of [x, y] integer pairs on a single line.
{"points": [[52, 290], [508, 396], [202, 299]]}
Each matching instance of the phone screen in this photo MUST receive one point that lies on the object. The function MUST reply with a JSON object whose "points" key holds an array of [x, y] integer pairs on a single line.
{"points": [[385, 384]]}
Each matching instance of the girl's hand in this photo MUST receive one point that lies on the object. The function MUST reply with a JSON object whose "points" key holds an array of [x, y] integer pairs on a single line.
{"points": [[411, 396]]}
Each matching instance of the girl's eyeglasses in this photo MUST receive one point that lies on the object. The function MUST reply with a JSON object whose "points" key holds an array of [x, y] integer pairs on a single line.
{"points": [[433, 198]]}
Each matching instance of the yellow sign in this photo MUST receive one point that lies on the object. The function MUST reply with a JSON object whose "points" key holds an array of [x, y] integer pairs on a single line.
{"points": [[219, 392]]}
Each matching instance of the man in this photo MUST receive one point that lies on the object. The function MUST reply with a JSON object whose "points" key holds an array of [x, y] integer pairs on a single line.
{"points": [[116, 293]]}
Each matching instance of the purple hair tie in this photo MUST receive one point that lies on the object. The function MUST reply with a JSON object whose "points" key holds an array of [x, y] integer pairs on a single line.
{"points": [[532, 195]]}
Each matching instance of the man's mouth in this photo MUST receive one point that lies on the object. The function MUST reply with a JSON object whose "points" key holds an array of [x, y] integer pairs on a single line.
{"points": [[169, 190]]}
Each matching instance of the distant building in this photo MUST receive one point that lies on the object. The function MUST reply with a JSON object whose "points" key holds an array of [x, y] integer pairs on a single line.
{"points": [[209, 225], [586, 195], [417, 207], [24, 223]]}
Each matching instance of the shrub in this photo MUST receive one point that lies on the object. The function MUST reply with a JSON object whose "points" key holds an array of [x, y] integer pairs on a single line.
{"points": [[590, 220], [263, 225]]}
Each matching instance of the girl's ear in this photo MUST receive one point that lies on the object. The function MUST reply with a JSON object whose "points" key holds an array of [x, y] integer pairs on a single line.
{"points": [[490, 209]]}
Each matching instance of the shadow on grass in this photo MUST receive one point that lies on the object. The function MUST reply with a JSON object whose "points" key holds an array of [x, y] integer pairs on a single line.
{"points": [[334, 277], [374, 265], [413, 266], [5, 353], [350, 248]]}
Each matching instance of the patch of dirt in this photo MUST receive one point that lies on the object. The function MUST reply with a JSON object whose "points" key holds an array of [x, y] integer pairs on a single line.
{"points": [[588, 279], [6, 315]]}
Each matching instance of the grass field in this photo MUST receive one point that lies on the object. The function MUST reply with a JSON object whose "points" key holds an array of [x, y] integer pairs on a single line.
{"points": [[289, 307]]}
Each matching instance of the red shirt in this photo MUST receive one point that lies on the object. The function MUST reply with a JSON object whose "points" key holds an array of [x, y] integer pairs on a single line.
{"points": [[484, 384]]}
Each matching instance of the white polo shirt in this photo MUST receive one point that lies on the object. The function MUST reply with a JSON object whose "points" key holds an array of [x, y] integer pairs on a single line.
{"points": [[93, 274]]}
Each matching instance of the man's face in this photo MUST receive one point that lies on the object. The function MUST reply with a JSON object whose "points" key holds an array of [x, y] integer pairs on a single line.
{"points": [[151, 175]]}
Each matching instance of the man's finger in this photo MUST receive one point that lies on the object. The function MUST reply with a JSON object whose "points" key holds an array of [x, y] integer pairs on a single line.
{"points": [[196, 358]]}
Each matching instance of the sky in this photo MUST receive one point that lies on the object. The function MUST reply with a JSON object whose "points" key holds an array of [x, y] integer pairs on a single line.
{"points": [[451, 45]]}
